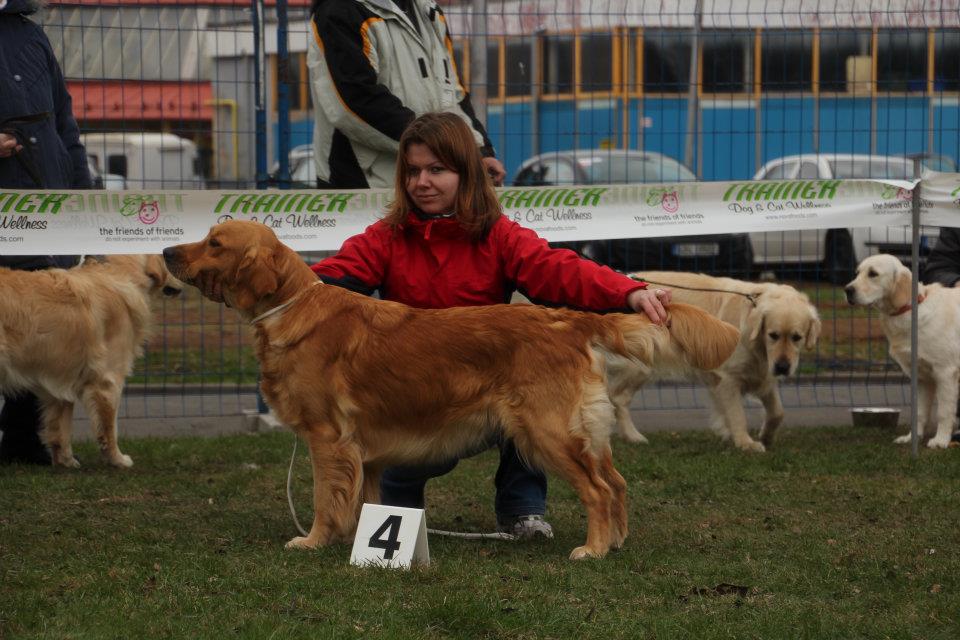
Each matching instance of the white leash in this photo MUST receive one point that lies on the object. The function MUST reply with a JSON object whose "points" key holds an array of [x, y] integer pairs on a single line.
{"points": [[496, 535]]}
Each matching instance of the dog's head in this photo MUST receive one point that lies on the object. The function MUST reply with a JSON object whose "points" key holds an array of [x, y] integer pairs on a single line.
{"points": [[882, 281], [242, 256], [162, 281], [783, 323]]}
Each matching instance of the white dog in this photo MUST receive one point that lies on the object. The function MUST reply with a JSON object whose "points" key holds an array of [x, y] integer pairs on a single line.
{"points": [[883, 282], [776, 323]]}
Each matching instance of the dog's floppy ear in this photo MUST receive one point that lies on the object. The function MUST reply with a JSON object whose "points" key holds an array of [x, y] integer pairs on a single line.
{"points": [[813, 330], [755, 323], [256, 276], [900, 294]]}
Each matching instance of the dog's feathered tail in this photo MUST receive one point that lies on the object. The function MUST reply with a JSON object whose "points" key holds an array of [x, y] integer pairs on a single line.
{"points": [[693, 339], [706, 340]]}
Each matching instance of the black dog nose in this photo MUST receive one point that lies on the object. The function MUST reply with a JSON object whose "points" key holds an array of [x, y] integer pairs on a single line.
{"points": [[850, 292], [169, 253], [781, 368]]}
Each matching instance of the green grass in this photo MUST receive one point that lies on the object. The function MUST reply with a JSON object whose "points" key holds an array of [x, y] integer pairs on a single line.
{"points": [[835, 534]]}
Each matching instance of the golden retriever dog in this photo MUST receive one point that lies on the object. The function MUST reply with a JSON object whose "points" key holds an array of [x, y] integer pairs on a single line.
{"points": [[370, 384], [70, 335], [883, 282], [776, 323]]}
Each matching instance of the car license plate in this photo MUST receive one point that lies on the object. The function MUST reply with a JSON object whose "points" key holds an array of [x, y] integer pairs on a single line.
{"points": [[696, 249]]}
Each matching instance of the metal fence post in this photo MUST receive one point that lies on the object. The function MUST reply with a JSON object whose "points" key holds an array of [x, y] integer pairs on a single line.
{"points": [[914, 307], [259, 90]]}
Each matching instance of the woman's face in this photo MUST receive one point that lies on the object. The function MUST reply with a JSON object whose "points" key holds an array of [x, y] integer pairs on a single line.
{"points": [[431, 185]]}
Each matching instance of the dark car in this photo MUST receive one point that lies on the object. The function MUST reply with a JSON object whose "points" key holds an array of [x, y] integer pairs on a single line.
{"points": [[726, 254]]}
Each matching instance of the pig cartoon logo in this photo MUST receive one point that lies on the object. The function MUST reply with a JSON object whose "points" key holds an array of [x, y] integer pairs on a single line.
{"points": [[904, 194], [670, 202], [149, 212]]}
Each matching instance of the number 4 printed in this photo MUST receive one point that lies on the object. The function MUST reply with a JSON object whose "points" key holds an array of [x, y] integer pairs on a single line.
{"points": [[391, 543]]}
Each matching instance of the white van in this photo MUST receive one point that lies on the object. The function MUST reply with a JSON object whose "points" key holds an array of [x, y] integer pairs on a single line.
{"points": [[146, 160]]}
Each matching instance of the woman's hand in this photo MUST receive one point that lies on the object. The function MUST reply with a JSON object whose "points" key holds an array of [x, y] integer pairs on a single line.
{"points": [[652, 302], [495, 168], [8, 145]]}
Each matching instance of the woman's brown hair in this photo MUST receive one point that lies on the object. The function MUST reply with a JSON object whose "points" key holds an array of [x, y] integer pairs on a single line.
{"points": [[450, 139]]}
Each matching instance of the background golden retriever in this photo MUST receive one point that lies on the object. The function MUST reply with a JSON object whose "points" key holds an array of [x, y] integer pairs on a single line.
{"points": [[775, 322], [370, 384], [72, 335], [883, 282]]}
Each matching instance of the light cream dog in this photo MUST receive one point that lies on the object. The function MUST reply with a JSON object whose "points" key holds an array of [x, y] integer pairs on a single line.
{"points": [[72, 335], [776, 322], [883, 282]]}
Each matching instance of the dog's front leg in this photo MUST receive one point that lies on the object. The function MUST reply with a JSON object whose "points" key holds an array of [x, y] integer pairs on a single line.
{"points": [[773, 408], [926, 393], [946, 390], [337, 484], [57, 423], [728, 400]]}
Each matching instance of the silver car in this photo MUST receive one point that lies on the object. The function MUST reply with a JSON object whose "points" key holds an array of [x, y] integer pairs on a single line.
{"points": [[725, 254], [836, 252]]}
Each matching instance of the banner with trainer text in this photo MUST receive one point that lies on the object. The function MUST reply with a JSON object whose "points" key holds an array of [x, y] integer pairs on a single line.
{"points": [[52, 222]]}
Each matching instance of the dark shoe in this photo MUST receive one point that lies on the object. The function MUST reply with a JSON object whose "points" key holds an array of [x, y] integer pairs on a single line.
{"points": [[20, 450], [525, 527]]}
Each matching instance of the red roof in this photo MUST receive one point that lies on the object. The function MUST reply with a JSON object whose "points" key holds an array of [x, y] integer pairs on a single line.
{"points": [[135, 100], [192, 3]]}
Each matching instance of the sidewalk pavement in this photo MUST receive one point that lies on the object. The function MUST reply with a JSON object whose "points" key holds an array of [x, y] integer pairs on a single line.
{"points": [[654, 408]]}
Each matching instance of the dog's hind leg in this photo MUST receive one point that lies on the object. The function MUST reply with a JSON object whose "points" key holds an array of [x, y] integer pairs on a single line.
{"points": [[625, 426], [618, 504], [337, 487], [57, 426], [773, 408], [101, 402]]}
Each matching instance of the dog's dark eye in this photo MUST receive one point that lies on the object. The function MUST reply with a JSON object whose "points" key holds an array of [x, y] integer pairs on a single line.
{"points": [[774, 336], [213, 242], [796, 337], [871, 273]]}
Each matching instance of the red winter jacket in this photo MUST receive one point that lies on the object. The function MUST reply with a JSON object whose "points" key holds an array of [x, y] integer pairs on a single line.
{"points": [[433, 264]]}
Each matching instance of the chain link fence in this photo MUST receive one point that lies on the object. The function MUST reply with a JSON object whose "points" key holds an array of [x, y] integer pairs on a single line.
{"points": [[215, 94]]}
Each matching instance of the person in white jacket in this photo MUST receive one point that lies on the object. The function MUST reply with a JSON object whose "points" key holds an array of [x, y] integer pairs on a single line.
{"points": [[375, 65]]}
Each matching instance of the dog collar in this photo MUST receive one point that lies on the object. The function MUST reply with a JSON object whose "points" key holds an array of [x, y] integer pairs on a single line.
{"points": [[902, 310], [269, 312]]}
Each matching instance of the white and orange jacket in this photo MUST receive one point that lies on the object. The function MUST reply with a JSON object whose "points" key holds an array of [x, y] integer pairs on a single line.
{"points": [[371, 73]]}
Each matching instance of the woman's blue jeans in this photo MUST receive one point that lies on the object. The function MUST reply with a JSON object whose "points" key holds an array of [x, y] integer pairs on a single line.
{"points": [[520, 490]]}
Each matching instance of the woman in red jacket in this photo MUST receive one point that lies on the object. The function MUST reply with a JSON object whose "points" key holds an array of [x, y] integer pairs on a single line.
{"points": [[445, 243]]}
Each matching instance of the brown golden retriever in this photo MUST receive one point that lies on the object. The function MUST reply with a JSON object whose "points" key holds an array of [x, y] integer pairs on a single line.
{"points": [[70, 335], [776, 322], [370, 384]]}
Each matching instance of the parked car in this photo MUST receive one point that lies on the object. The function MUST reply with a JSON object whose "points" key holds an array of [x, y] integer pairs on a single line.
{"points": [[836, 252], [726, 254]]}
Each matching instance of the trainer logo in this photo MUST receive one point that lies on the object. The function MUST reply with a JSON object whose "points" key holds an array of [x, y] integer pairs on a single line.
{"points": [[149, 212]]}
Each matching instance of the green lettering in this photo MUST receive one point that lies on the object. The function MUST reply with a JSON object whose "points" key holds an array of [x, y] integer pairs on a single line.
{"points": [[264, 202], [828, 189], [591, 197], [338, 202], [222, 202], [26, 204]]}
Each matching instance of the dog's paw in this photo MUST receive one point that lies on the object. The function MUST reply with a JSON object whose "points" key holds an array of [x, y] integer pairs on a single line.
{"points": [[69, 463], [635, 437], [122, 461], [300, 542], [751, 446], [939, 443], [902, 439], [584, 553]]}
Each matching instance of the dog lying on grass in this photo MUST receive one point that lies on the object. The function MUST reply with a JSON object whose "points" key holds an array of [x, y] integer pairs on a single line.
{"points": [[884, 283], [370, 384], [71, 335], [776, 323]]}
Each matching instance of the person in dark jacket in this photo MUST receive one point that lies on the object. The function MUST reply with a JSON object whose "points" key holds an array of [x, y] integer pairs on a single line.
{"points": [[39, 148], [943, 263]]}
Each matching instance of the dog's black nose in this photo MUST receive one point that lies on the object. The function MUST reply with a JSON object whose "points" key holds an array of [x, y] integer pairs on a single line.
{"points": [[781, 368], [169, 253], [850, 292]]}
